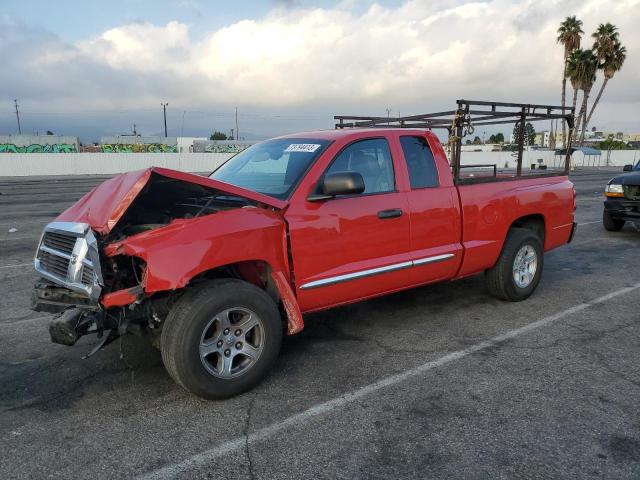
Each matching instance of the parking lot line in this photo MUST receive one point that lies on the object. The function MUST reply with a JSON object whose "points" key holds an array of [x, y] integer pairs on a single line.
{"points": [[589, 223], [172, 470], [4, 325], [22, 237], [16, 265]]}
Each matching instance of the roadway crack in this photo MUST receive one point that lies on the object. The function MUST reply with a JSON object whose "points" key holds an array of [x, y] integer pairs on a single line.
{"points": [[602, 361], [247, 425]]}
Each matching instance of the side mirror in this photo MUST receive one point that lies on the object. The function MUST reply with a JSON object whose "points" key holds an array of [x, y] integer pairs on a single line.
{"points": [[627, 168], [339, 183]]}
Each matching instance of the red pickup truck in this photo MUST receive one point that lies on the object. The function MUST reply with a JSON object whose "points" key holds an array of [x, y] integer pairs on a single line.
{"points": [[216, 270]]}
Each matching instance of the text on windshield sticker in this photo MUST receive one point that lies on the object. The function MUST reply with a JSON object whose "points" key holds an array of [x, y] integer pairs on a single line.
{"points": [[302, 147]]}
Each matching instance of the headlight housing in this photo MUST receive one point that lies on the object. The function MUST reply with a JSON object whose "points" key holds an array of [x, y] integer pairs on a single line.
{"points": [[614, 190]]}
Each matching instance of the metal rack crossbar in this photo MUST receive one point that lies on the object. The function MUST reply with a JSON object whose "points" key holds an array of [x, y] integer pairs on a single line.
{"points": [[468, 115]]}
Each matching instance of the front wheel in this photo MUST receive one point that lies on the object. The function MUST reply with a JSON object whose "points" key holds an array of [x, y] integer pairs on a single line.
{"points": [[611, 224], [519, 268], [221, 338]]}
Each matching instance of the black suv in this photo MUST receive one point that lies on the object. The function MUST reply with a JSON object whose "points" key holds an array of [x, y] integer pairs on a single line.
{"points": [[623, 199]]}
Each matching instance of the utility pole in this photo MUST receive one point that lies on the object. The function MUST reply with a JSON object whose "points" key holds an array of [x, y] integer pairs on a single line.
{"points": [[388, 115], [237, 131], [164, 109], [18, 116]]}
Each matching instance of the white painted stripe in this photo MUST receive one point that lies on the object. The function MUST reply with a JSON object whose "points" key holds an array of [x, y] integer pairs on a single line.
{"points": [[589, 223], [17, 265], [201, 459], [24, 237], [5, 325]]}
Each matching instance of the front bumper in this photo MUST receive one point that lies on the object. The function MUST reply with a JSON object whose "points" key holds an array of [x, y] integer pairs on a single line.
{"points": [[623, 209], [52, 298]]}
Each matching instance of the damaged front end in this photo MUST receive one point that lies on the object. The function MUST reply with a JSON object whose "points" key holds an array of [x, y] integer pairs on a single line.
{"points": [[73, 285], [88, 278]]}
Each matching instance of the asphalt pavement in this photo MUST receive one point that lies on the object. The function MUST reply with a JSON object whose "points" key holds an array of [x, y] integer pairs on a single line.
{"points": [[437, 382]]}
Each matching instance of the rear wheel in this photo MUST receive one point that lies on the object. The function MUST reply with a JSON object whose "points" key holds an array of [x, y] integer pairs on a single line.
{"points": [[220, 339], [611, 224], [519, 268]]}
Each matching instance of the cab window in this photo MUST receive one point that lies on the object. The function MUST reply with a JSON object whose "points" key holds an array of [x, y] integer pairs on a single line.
{"points": [[420, 162], [371, 159]]}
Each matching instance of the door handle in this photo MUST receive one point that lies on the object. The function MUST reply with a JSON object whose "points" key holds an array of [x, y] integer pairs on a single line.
{"points": [[393, 213]]}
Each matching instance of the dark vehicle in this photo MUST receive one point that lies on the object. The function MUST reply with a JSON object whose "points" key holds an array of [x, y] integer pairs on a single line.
{"points": [[623, 199]]}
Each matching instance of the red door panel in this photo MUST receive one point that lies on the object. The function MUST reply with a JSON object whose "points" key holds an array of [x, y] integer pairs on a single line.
{"points": [[342, 251], [435, 233]]}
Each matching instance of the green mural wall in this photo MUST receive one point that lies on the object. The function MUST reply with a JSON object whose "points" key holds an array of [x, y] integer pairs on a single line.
{"points": [[39, 148], [138, 148]]}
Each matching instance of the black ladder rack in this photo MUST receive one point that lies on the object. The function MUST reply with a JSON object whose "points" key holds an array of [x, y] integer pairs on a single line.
{"points": [[462, 122]]}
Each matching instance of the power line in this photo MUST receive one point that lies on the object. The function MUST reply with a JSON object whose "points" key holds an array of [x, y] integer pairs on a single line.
{"points": [[15, 100], [237, 131], [164, 109]]}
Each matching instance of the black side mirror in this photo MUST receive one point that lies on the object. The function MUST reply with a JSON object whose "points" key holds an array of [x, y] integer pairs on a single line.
{"points": [[339, 183], [627, 168]]}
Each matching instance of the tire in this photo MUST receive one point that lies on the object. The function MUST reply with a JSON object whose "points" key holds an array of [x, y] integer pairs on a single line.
{"points": [[611, 224], [195, 340], [502, 280]]}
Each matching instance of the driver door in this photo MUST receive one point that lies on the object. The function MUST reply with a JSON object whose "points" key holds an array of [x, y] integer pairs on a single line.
{"points": [[352, 247]]}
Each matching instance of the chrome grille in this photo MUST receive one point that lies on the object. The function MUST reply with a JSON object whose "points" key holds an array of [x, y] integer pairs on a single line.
{"points": [[59, 242], [54, 264], [632, 192], [87, 275], [68, 255]]}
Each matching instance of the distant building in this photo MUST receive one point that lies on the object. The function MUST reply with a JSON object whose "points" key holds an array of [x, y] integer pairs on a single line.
{"points": [[39, 144], [185, 144]]}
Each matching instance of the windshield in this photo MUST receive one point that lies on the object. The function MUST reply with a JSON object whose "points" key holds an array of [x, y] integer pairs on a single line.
{"points": [[272, 167]]}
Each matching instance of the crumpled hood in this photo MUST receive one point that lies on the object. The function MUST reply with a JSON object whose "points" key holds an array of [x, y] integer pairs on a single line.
{"points": [[103, 206]]}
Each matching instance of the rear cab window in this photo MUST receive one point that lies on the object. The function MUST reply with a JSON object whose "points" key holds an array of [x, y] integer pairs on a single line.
{"points": [[420, 162]]}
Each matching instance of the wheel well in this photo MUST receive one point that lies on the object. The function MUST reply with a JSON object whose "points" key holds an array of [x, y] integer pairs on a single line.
{"points": [[532, 222], [256, 272]]}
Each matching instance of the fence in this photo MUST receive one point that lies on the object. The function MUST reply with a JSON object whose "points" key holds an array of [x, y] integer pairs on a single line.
{"points": [[24, 164]]}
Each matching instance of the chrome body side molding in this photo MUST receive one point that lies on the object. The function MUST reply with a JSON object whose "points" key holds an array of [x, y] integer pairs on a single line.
{"points": [[375, 271]]}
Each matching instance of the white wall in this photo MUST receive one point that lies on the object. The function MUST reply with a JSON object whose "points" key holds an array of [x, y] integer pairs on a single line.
{"points": [[618, 158], [22, 164]]}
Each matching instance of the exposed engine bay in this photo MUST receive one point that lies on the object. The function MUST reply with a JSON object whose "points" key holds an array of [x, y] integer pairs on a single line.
{"points": [[165, 199]]}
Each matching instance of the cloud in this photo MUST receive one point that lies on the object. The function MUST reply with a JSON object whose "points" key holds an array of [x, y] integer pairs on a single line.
{"points": [[414, 57]]}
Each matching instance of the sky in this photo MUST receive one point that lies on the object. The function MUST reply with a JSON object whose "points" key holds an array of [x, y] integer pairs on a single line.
{"points": [[92, 68]]}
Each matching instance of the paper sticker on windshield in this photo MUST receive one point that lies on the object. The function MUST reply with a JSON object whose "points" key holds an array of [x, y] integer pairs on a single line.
{"points": [[302, 147]]}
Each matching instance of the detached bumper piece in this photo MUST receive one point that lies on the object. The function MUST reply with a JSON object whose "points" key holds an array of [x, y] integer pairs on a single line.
{"points": [[72, 324]]}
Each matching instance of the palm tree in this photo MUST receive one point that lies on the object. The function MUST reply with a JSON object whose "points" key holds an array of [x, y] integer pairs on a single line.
{"points": [[605, 38], [611, 54], [573, 74], [569, 35], [586, 66]]}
